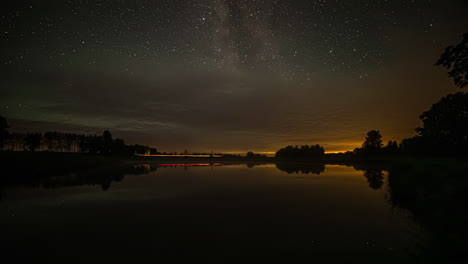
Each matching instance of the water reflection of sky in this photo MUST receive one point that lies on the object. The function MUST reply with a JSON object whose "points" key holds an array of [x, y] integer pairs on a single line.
{"points": [[301, 212]]}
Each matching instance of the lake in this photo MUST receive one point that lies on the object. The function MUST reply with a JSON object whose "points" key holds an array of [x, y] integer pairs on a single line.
{"points": [[231, 213]]}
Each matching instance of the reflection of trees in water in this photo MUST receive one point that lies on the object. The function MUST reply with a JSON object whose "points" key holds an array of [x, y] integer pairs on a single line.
{"points": [[374, 172], [437, 197], [304, 168], [103, 178], [435, 192], [375, 178], [50, 178]]}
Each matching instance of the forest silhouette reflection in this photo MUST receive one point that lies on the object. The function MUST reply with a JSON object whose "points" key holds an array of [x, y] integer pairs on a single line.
{"points": [[435, 193], [304, 168], [55, 175], [437, 196]]}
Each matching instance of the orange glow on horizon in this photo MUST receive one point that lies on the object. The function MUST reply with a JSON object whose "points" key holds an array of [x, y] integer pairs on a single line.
{"points": [[183, 156], [337, 151], [190, 164]]}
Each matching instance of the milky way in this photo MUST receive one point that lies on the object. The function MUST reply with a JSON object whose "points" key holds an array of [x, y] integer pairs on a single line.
{"points": [[227, 76]]}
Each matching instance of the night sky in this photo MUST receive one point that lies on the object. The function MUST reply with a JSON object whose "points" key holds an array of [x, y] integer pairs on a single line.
{"points": [[227, 76]]}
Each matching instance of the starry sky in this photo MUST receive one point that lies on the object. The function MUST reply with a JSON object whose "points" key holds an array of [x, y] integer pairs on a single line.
{"points": [[224, 75]]}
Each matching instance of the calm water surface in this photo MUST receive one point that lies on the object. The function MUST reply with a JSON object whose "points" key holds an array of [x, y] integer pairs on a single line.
{"points": [[216, 213]]}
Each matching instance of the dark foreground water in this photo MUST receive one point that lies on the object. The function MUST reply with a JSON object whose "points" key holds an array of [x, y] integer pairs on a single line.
{"points": [[235, 213]]}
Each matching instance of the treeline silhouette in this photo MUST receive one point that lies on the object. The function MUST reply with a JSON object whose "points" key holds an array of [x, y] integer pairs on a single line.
{"points": [[444, 133], [305, 151], [67, 142], [254, 156], [445, 125], [373, 145]]}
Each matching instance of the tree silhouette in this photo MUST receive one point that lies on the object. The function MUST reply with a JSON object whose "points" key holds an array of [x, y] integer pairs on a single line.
{"points": [[391, 148], [3, 131], [373, 142], [455, 60], [106, 142], [445, 125], [33, 141], [119, 147]]}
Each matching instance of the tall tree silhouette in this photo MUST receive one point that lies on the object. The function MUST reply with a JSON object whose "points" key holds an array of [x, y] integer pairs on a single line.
{"points": [[3, 131], [455, 60], [373, 142]]}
